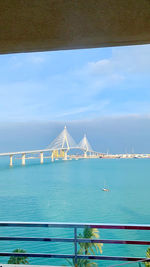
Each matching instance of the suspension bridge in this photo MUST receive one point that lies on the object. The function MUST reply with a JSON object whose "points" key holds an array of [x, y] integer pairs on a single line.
{"points": [[58, 148]]}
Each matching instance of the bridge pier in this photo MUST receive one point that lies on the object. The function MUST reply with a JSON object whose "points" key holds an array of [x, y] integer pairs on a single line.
{"points": [[52, 157], [85, 154], [65, 155], [11, 161], [41, 158], [23, 159]]}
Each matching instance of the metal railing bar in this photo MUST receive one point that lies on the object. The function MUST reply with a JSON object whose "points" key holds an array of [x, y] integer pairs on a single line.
{"points": [[78, 225], [75, 246], [42, 239], [37, 255], [112, 258], [71, 256], [127, 263], [111, 241], [73, 240]]}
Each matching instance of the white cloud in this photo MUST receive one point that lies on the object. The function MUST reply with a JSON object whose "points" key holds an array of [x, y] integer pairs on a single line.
{"points": [[22, 60], [33, 92], [94, 108], [123, 62], [99, 67], [36, 59]]}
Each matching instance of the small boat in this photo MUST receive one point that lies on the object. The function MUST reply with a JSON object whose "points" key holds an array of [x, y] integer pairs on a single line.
{"points": [[105, 188]]}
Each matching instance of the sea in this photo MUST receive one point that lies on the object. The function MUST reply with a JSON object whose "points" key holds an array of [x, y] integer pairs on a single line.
{"points": [[71, 191]]}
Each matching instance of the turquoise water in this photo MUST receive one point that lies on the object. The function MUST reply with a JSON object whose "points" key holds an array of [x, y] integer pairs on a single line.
{"points": [[70, 191]]}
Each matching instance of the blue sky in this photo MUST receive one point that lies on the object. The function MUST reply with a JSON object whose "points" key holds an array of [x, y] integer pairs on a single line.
{"points": [[78, 86], [75, 85]]}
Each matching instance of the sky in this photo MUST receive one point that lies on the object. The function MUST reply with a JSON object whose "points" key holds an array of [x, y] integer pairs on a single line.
{"points": [[103, 92]]}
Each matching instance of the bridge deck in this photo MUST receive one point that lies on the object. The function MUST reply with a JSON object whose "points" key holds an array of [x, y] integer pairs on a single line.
{"points": [[39, 151]]}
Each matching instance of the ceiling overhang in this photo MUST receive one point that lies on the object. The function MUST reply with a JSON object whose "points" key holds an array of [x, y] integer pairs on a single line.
{"points": [[44, 25]]}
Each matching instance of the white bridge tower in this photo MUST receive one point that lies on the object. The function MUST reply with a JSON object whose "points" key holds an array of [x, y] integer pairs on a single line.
{"points": [[85, 146], [63, 142]]}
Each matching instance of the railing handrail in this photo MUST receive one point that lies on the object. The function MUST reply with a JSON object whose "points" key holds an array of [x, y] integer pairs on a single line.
{"points": [[75, 240], [73, 225], [72, 256]]}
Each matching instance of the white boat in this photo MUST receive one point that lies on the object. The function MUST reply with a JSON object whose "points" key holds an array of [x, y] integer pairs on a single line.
{"points": [[105, 188]]}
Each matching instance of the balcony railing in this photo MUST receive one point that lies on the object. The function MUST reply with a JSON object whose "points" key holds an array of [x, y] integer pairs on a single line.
{"points": [[75, 240]]}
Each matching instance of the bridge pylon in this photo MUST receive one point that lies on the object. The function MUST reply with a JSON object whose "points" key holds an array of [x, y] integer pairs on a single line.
{"points": [[85, 146], [63, 142]]}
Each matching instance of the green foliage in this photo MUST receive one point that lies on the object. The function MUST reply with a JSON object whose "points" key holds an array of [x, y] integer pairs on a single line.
{"points": [[81, 263], [147, 264], [87, 248], [18, 260]]}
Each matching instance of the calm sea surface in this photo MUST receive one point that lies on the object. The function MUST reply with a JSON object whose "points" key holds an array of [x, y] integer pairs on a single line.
{"points": [[70, 191]]}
